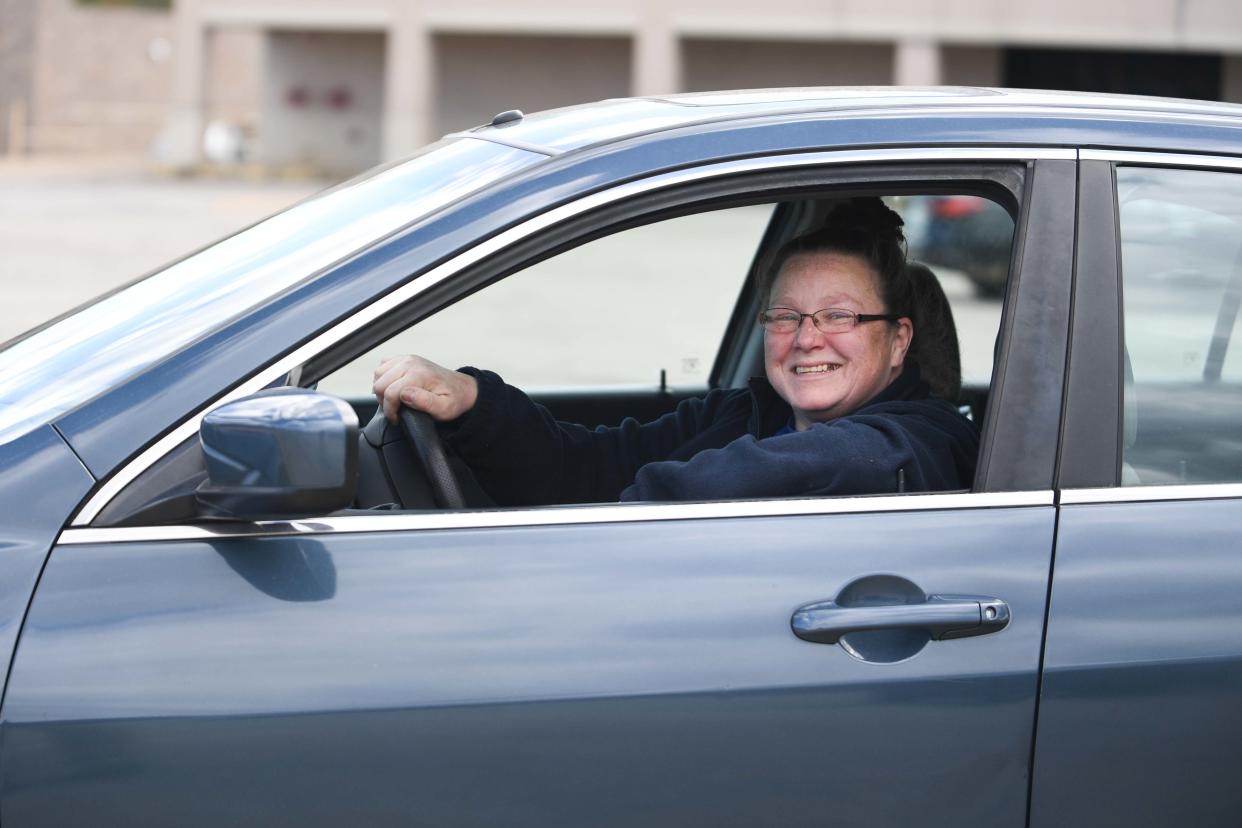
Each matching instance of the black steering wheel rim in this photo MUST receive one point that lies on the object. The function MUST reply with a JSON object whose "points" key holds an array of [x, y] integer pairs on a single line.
{"points": [[424, 439]]}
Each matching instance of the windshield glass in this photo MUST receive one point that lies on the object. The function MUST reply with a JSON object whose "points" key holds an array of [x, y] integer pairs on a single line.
{"points": [[55, 369]]}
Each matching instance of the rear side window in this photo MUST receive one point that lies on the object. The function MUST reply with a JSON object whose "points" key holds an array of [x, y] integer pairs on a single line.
{"points": [[1181, 237]]}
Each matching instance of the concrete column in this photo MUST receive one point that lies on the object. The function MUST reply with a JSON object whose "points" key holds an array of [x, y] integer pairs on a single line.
{"points": [[182, 137], [917, 63], [409, 83], [655, 67], [19, 52], [17, 129]]}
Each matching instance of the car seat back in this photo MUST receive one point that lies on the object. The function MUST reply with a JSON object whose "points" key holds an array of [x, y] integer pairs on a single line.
{"points": [[934, 347]]}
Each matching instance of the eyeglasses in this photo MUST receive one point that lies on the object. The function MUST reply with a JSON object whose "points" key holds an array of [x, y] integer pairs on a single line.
{"points": [[828, 320]]}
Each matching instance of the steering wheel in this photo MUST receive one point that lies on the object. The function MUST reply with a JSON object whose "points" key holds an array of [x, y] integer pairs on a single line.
{"points": [[420, 433]]}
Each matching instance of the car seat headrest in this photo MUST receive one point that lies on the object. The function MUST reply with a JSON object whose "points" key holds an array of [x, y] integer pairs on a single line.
{"points": [[934, 347]]}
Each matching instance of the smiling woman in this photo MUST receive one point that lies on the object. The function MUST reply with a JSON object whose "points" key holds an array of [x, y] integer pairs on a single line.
{"points": [[850, 268]]}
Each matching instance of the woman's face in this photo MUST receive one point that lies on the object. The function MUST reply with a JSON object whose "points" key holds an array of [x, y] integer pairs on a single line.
{"points": [[824, 376]]}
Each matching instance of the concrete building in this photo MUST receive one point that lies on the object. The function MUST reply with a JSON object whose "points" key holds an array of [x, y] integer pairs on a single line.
{"points": [[346, 83], [16, 45], [77, 77]]}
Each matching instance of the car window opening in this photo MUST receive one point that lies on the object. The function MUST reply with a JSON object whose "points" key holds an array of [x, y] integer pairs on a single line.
{"points": [[955, 358], [593, 355]]}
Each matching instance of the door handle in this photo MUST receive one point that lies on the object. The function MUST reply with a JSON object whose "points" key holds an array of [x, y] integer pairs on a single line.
{"points": [[942, 616]]}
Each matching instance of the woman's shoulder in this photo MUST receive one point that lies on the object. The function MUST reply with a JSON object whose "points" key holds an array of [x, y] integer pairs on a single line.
{"points": [[720, 404]]}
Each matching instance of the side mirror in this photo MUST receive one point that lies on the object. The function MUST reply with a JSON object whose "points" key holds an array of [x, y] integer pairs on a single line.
{"points": [[283, 453]]}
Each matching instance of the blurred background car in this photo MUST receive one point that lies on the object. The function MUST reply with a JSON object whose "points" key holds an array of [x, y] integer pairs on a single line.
{"points": [[966, 233]]}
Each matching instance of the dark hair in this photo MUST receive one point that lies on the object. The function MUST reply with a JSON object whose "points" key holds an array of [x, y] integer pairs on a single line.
{"points": [[863, 226]]}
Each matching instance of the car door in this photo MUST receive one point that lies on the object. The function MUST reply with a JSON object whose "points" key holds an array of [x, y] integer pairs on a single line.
{"points": [[1138, 721], [598, 664]]}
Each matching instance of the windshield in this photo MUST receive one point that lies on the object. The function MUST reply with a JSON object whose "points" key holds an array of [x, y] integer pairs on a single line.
{"points": [[58, 368]]}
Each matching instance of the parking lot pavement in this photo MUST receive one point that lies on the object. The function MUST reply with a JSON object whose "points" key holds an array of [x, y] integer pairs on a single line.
{"points": [[71, 229]]}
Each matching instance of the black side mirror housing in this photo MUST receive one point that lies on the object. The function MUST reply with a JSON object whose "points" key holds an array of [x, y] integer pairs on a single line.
{"points": [[280, 453]]}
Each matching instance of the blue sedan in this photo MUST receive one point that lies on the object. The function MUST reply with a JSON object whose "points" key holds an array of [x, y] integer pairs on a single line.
{"points": [[222, 601]]}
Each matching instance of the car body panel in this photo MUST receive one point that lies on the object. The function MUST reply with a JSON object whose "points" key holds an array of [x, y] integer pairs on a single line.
{"points": [[1139, 717], [596, 674], [1028, 382], [41, 483], [1138, 722], [610, 121]]}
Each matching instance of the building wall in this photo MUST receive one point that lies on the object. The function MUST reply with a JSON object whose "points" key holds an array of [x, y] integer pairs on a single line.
{"points": [[477, 76], [98, 78], [759, 64], [322, 99], [459, 61], [234, 76], [1196, 24], [17, 24], [101, 77]]}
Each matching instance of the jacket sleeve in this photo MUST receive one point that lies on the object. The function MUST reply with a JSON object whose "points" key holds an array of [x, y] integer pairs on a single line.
{"points": [[522, 456], [858, 454]]}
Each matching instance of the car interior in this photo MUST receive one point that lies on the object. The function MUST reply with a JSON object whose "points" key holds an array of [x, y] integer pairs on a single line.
{"points": [[391, 474], [1182, 291]]}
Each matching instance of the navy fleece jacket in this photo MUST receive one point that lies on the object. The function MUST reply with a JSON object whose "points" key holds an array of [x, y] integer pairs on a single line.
{"points": [[712, 448]]}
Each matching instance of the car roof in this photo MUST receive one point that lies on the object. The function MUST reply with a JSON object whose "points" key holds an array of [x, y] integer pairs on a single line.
{"points": [[576, 127]]}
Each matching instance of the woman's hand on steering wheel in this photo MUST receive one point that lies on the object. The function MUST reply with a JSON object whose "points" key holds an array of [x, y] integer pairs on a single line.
{"points": [[413, 391], [423, 386]]}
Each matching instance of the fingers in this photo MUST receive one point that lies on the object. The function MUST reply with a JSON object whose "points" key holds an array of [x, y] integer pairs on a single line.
{"points": [[394, 375], [386, 363], [439, 406], [425, 386], [387, 386], [448, 396], [390, 399]]}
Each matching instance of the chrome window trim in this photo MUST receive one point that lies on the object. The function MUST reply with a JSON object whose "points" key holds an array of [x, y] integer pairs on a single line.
{"points": [[561, 516], [145, 459], [1144, 494], [1162, 159]]}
